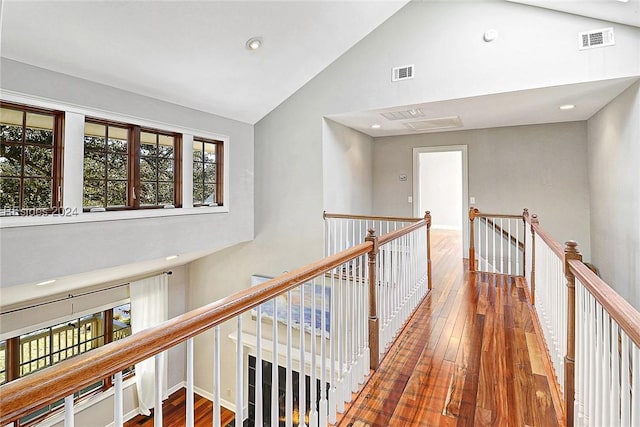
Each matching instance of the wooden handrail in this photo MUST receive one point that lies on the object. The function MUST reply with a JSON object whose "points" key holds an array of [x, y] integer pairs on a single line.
{"points": [[491, 215], [555, 246], [27, 394], [401, 232], [618, 308], [326, 215]]}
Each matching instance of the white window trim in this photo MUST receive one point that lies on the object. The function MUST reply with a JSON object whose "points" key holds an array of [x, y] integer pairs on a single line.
{"points": [[187, 168]]}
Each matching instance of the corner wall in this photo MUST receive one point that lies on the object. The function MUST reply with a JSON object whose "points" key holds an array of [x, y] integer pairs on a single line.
{"points": [[614, 178], [539, 167]]}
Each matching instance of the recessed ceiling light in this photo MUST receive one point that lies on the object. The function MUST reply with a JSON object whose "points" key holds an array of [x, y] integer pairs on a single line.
{"points": [[375, 126], [170, 257], [567, 107], [46, 282], [254, 43]]}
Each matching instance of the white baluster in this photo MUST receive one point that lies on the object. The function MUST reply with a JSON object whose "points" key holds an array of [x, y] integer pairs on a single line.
{"points": [[302, 410], [259, 406], [190, 406], [117, 400], [217, 395], [239, 374], [313, 408], [323, 406], [599, 365], [157, 407], [625, 398], [605, 393], [614, 395], [288, 371], [509, 245], [635, 390], [275, 380], [68, 411]]}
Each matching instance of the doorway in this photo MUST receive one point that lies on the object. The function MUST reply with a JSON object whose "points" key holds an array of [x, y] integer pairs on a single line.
{"points": [[440, 185]]}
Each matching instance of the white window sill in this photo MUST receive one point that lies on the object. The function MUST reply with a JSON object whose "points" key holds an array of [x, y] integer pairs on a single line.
{"points": [[31, 221]]}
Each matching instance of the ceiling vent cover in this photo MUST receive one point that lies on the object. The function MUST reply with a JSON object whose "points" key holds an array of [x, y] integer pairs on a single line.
{"points": [[596, 38], [414, 113], [435, 124], [402, 73]]}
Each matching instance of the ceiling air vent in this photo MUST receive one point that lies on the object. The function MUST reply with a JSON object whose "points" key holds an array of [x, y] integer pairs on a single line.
{"points": [[414, 113], [402, 73], [595, 38], [435, 124]]}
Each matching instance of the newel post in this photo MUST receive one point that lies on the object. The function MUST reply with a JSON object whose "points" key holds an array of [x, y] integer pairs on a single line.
{"points": [[534, 221], [570, 252], [427, 218], [374, 330], [472, 250]]}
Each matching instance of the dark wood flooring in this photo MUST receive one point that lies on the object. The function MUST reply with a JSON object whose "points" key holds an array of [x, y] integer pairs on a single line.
{"points": [[173, 412], [469, 356]]}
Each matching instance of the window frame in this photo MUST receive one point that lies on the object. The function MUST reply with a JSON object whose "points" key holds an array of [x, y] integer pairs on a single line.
{"points": [[13, 361], [72, 211], [134, 159], [57, 147], [219, 170]]}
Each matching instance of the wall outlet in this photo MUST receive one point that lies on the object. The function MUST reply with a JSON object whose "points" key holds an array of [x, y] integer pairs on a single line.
{"points": [[472, 200], [410, 199]]}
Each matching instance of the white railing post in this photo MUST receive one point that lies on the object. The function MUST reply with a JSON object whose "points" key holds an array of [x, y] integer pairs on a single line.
{"points": [[68, 411], [157, 407], [217, 391], [189, 399], [117, 400]]}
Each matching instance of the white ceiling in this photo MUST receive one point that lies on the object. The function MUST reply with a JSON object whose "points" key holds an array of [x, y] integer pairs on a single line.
{"points": [[620, 11], [504, 109], [191, 53]]}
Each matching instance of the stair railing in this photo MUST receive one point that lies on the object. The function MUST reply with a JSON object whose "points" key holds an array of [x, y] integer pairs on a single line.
{"points": [[592, 333], [330, 320], [496, 243]]}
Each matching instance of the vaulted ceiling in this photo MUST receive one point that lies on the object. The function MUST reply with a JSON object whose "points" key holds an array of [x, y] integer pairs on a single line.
{"points": [[193, 53]]}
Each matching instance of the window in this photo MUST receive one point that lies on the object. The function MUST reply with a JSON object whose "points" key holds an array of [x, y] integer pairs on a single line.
{"points": [[157, 169], [207, 172], [30, 158], [106, 165], [126, 167], [48, 346]]}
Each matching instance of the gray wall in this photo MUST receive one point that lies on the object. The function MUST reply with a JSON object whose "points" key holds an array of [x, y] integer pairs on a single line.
{"points": [[614, 178], [539, 167], [347, 169], [31, 254]]}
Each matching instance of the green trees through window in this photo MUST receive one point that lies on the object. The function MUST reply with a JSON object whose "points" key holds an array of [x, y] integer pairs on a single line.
{"points": [[29, 157]]}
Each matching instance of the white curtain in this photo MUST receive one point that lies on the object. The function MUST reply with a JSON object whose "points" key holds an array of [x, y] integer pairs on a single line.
{"points": [[149, 307]]}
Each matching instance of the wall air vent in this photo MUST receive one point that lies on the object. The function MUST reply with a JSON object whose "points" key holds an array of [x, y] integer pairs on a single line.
{"points": [[439, 123], [402, 73], [595, 38]]}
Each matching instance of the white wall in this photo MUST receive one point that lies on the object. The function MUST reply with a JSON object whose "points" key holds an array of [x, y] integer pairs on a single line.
{"points": [[539, 167], [347, 169], [614, 178], [31, 254]]}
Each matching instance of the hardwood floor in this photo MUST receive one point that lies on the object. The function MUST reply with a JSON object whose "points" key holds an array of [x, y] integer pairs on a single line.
{"points": [[173, 414], [469, 356]]}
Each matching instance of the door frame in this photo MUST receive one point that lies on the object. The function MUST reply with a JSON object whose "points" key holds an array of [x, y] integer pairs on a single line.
{"points": [[465, 184]]}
